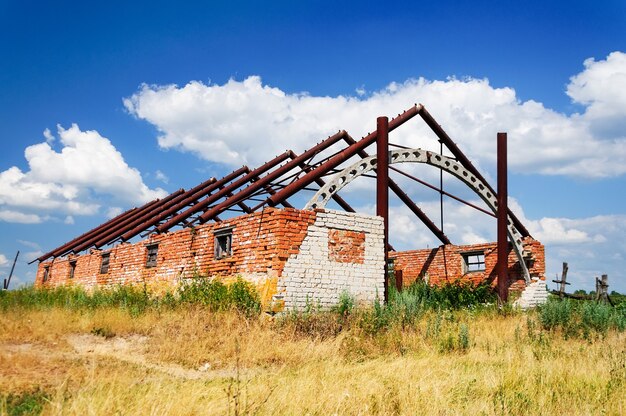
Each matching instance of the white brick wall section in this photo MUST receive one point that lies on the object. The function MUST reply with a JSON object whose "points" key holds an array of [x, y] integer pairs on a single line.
{"points": [[534, 295], [310, 276]]}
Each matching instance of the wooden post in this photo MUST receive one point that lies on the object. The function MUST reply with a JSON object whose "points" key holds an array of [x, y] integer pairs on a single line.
{"points": [[398, 275], [563, 281], [602, 288]]}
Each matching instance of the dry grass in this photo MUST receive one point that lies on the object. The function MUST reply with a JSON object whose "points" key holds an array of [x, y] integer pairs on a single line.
{"points": [[191, 361]]}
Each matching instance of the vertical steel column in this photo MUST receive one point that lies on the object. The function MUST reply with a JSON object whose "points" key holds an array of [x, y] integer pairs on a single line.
{"points": [[503, 244], [382, 184]]}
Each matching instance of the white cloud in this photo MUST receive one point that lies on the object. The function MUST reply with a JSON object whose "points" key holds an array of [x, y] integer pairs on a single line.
{"points": [[68, 220], [601, 86], [48, 135], [19, 217], [3, 260], [160, 176], [69, 181], [114, 212], [248, 122]]}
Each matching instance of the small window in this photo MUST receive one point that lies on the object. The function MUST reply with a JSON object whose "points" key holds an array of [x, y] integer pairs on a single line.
{"points": [[474, 262], [151, 260], [46, 273], [104, 265], [223, 243], [72, 268]]}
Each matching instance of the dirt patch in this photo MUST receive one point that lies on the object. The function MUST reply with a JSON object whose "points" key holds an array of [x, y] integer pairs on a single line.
{"points": [[132, 350]]}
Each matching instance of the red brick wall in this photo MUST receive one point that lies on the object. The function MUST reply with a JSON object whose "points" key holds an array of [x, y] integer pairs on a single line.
{"points": [[445, 264], [346, 246], [261, 244]]}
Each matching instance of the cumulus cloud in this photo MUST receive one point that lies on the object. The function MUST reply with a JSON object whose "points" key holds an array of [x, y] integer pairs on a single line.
{"points": [[601, 87], [160, 176], [249, 122], [114, 212], [19, 217], [3, 260], [68, 181]]}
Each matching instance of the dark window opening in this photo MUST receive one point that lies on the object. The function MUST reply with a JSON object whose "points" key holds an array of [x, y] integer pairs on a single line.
{"points": [[474, 262], [223, 243], [151, 260], [72, 269], [46, 273], [104, 265]]}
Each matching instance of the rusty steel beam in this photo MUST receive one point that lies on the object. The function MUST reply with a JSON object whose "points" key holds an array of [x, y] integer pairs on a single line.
{"points": [[270, 191], [112, 233], [91, 237], [338, 159], [267, 179], [503, 244], [83, 236], [218, 195], [150, 218], [180, 202], [460, 156], [382, 187], [407, 200]]}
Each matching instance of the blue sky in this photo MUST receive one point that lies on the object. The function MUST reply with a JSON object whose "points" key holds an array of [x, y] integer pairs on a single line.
{"points": [[106, 105]]}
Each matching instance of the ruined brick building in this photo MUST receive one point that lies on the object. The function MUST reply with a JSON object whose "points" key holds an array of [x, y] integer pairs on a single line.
{"points": [[294, 256]]}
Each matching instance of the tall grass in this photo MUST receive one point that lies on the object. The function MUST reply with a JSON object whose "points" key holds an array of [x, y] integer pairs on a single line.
{"points": [[211, 293], [581, 318], [198, 355]]}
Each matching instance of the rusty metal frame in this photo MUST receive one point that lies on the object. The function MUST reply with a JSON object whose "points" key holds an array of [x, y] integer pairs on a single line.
{"points": [[272, 184]]}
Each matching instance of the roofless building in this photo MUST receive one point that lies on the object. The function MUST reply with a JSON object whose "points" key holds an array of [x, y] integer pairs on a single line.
{"points": [[295, 256]]}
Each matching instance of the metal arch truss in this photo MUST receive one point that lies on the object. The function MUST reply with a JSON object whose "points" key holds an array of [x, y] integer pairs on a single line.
{"points": [[343, 178]]}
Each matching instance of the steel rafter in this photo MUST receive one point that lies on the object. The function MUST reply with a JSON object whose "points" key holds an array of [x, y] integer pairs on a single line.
{"points": [[114, 233], [246, 192], [339, 159], [230, 188], [189, 197]]}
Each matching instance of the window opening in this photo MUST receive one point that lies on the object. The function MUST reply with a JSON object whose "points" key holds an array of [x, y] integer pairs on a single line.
{"points": [[104, 265], [72, 268], [223, 243], [46, 273], [151, 260], [474, 262]]}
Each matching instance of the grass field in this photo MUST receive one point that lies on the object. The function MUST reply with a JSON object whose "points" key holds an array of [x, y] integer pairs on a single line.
{"points": [[128, 354]]}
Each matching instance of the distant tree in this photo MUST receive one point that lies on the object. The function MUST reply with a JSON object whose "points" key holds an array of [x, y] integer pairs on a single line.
{"points": [[580, 292]]}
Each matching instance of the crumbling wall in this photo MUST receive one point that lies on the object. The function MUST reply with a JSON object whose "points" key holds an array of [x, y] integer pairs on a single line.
{"points": [[341, 252], [304, 254], [447, 264], [261, 243]]}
